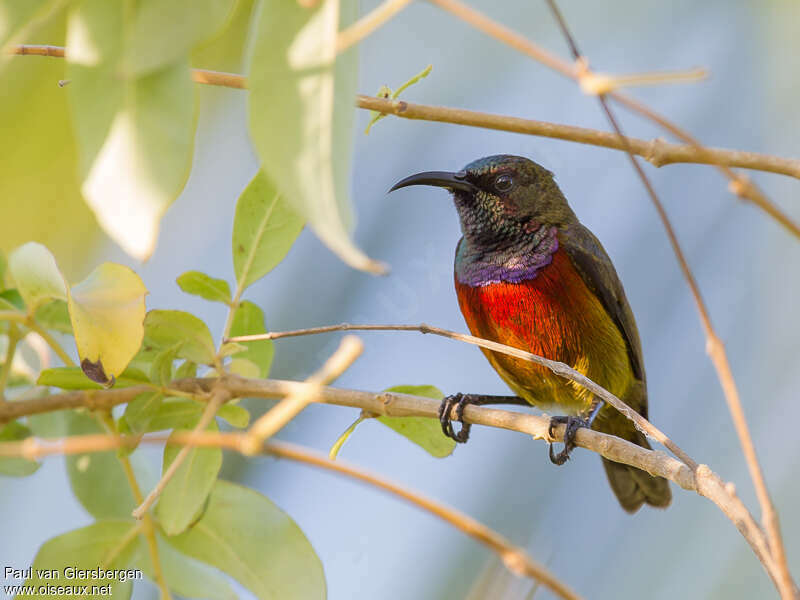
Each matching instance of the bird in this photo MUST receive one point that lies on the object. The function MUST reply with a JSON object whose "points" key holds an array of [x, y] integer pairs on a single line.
{"points": [[530, 275]]}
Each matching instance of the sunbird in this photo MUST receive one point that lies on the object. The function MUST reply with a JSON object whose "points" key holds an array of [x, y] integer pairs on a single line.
{"points": [[528, 274]]}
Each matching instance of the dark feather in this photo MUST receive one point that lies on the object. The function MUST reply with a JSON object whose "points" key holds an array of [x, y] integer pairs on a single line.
{"points": [[593, 264]]}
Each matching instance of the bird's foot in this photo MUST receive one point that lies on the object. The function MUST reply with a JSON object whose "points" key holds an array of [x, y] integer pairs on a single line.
{"points": [[460, 401], [573, 424]]}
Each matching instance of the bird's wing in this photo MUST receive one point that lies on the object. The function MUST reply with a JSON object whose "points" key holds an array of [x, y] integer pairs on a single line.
{"points": [[590, 259]]}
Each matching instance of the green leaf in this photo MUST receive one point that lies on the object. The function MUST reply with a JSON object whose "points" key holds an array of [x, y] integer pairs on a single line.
{"points": [[245, 535], [141, 411], [235, 415], [107, 314], [185, 576], [231, 348], [249, 319], [48, 425], [97, 478], [425, 432], [3, 265], [15, 15], [264, 229], [161, 369], [85, 549], [11, 300], [301, 115], [200, 284], [54, 315], [165, 328], [244, 368], [12, 466], [36, 275], [187, 370], [164, 32], [225, 52], [176, 414], [186, 493], [34, 109], [134, 134], [73, 378]]}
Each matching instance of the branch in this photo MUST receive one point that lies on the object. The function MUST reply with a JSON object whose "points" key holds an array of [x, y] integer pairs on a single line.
{"points": [[739, 185], [367, 24], [559, 368], [218, 397], [714, 346], [147, 528], [288, 408], [658, 152], [514, 557], [701, 480]]}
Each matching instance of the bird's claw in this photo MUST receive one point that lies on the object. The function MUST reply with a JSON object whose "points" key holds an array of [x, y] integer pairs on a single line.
{"points": [[460, 402], [573, 424]]}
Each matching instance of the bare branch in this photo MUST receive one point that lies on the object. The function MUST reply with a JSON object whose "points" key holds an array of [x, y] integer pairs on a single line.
{"points": [[219, 396], [702, 479], [714, 347], [514, 557], [287, 409], [658, 152], [559, 368], [739, 185], [369, 23]]}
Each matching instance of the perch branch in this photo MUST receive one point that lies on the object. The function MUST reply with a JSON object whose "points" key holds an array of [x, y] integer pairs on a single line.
{"points": [[559, 368], [701, 480]]}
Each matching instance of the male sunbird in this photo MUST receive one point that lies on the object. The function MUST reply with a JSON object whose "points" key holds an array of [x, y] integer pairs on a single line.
{"points": [[528, 274]]}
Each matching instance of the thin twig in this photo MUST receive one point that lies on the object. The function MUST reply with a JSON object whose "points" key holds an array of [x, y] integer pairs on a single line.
{"points": [[559, 368], [714, 347], [287, 409], [218, 397], [514, 558], [369, 23], [702, 480], [13, 338], [148, 529], [658, 152], [739, 185]]}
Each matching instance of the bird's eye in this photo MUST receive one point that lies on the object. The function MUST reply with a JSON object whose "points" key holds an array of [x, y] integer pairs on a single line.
{"points": [[503, 183]]}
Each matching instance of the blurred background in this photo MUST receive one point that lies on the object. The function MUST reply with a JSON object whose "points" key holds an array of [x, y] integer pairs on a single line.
{"points": [[372, 545]]}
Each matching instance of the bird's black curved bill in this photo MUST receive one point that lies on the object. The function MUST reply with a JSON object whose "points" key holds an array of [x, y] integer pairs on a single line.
{"points": [[445, 179]]}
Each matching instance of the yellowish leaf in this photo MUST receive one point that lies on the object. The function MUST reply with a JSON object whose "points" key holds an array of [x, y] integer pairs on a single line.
{"points": [[107, 313], [36, 275]]}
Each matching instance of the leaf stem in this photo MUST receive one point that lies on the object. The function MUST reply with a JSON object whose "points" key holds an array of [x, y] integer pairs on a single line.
{"points": [[369, 23], [218, 397], [51, 341], [147, 526], [13, 339]]}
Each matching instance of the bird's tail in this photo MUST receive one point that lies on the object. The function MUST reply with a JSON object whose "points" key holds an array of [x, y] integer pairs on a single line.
{"points": [[634, 487]]}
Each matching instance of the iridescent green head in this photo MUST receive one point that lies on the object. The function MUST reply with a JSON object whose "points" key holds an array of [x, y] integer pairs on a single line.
{"points": [[500, 197]]}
